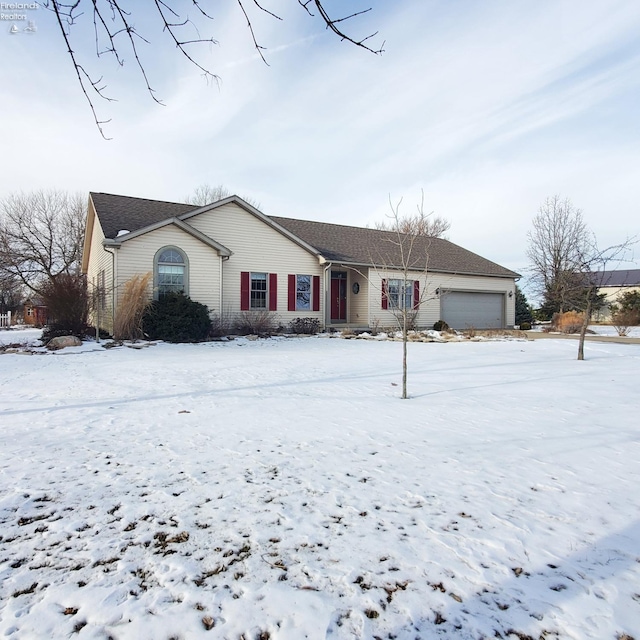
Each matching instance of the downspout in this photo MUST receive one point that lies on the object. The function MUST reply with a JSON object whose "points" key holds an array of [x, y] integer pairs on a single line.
{"points": [[327, 302], [223, 259], [113, 285]]}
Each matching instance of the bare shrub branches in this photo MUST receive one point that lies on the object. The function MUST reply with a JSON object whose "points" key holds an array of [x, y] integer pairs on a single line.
{"points": [[418, 224], [206, 194]]}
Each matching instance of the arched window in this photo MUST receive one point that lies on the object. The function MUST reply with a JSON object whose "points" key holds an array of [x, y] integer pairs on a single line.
{"points": [[171, 271]]}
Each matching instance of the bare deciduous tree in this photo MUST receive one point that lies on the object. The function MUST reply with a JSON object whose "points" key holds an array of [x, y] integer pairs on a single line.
{"points": [[41, 235], [11, 291], [592, 262], [418, 225], [408, 256], [557, 243], [116, 34], [565, 260], [206, 194]]}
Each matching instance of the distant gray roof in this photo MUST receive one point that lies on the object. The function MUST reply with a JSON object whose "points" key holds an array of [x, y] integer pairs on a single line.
{"points": [[618, 278], [336, 242]]}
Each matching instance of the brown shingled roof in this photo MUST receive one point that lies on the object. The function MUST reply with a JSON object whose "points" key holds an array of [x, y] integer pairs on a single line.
{"points": [[336, 242], [117, 213], [357, 245]]}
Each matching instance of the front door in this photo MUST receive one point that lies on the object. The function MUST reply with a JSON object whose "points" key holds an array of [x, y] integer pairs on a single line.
{"points": [[338, 296]]}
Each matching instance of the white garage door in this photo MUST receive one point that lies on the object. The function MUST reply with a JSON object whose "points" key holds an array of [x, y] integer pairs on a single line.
{"points": [[461, 310]]}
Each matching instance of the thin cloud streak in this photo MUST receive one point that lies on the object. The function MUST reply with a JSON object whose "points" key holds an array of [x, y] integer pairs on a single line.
{"points": [[489, 108]]}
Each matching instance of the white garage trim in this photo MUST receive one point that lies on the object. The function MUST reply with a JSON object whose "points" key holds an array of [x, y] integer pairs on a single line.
{"points": [[478, 309]]}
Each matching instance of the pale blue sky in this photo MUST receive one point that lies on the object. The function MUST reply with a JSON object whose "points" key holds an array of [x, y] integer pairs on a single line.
{"points": [[488, 107]]}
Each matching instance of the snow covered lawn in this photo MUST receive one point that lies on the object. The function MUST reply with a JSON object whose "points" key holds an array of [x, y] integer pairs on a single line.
{"points": [[280, 489]]}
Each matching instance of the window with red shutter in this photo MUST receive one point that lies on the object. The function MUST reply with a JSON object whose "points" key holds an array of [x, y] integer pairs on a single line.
{"points": [[385, 295], [273, 292]]}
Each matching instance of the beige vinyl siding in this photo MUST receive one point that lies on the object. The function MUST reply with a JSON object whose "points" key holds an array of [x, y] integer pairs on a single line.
{"points": [[99, 261], [257, 247], [136, 256], [612, 294], [358, 304], [429, 312]]}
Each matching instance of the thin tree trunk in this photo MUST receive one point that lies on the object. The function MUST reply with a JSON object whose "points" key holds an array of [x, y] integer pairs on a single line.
{"points": [[404, 355], [583, 329]]}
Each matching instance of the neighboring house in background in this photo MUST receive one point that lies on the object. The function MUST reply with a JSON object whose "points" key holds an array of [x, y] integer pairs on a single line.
{"points": [[613, 284], [233, 258], [34, 311]]}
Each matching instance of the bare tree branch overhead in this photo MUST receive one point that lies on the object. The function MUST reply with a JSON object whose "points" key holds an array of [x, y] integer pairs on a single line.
{"points": [[115, 33]]}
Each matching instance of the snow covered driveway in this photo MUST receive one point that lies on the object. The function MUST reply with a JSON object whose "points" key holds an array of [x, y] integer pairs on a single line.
{"points": [[280, 489]]}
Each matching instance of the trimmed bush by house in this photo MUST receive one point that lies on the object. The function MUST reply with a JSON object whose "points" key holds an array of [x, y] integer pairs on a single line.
{"points": [[441, 325], [174, 317], [257, 321], [67, 301], [308, 326]]}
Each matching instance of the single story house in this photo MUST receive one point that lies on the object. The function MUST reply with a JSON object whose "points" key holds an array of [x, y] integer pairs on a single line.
{"points": [[234, 258], [613, 284]]}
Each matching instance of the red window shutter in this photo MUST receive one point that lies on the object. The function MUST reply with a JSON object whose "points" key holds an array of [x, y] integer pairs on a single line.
{"points": [[273, 292], [316, 293], [385, 296], [244, 290], [416, 294], [292, 293]]}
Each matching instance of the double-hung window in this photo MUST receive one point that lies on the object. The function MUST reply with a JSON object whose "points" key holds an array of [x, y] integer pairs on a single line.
{"points": [[400, 294], [303, 293], [171, 271], [258, 291]]}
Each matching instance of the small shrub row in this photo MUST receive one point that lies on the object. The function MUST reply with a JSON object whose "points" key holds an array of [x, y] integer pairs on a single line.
{"points": [[307, 326], [441, 325], [259, 322], [624, 320]]}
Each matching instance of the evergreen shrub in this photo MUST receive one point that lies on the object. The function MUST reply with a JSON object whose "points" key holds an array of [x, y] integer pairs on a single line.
{"points": [[174, 317], [441, 325], [308, 326]]}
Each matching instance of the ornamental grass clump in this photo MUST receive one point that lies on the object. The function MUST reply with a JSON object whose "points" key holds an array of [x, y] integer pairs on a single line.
{"points": [[127, 324], [569, 322]]}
